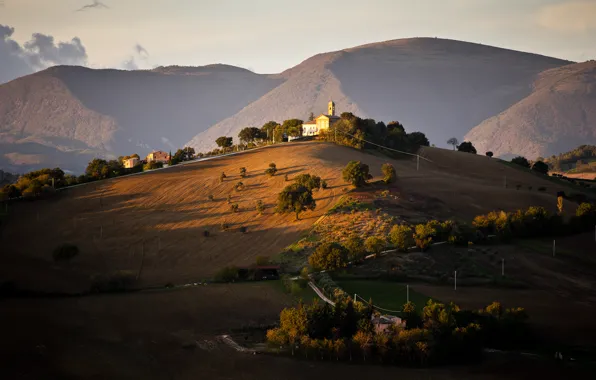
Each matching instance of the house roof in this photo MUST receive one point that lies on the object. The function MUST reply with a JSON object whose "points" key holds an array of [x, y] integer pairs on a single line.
{"points": [[310, 122], [330, 117]]}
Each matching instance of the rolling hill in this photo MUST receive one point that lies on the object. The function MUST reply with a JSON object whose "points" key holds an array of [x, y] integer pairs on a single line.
{"points": [[559, 115], [65, 115], [440, 87]]}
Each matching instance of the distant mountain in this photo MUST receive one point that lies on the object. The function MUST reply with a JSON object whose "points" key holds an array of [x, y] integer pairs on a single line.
{"points": [[558, 115], [66, 115], [440, 87]]}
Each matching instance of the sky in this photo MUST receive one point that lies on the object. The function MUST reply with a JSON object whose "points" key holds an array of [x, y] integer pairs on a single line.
{"points": [[269, 36]]}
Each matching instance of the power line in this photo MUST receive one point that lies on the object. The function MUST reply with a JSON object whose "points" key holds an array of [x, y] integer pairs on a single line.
{"points": [[381, 146], [375, 306]]}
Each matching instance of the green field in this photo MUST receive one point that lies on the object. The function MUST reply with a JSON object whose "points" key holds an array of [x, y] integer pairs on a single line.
{"points": [[385, 294], [307, 295]]}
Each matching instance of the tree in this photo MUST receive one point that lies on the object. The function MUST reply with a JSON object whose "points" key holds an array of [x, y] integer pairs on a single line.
{"points": [[170, 159], [250, 134], [355, 173], [424, 236], [467, 147], [271, 170], [402, 237], [260, 207], [453, 141], [222, 176], [267, 130], [329, 256], [311, 117], [295, 198], [374, 244], [242, 172], [521, 161], [98, 169], [418, 138], [540, 167], [363, 340], [278, 134], [489, 154], [389, 174], [152, 165], [309, 181], [293, 127], [355, 247], [396, 126], [224, 142]]}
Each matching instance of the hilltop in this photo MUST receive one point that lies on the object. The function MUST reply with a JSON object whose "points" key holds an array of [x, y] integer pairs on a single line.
{"points": [[66, 115], [559, 115]]}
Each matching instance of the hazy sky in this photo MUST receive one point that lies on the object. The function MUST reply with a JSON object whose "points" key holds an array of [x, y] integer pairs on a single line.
{"points": [[270, 36]]}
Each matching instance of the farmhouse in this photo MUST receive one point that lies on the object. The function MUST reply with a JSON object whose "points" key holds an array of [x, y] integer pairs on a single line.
{"points": [[321, 122], [158, 156], [130, 163]]}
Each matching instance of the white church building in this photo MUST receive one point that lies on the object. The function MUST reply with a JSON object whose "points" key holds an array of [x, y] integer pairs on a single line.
{"points": [[321, 122]]}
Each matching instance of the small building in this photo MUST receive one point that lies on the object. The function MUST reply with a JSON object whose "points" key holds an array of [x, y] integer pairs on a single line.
{"points": [[130, 163], [383, 322], [158, 156], [321, 122]]}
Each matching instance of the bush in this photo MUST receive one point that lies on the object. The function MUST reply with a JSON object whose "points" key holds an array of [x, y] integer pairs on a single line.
{"points": [[152, 165], [206, 233], [324, 184], [586, 216], [489, 154], [329, 256], [242, 172], [355, 247], [243, 229], [295, 198], [309, 181], [239, 186], [521, 161], [260, 207], [234, 207], [222, 176], [402, 237], [467, 147], [271, 170], [356, 173], [423, 236], [227, 274], [461, 235], [374, 244], [224, 226], [211, 197], [65, 252], [389, 174], [540, 167]]}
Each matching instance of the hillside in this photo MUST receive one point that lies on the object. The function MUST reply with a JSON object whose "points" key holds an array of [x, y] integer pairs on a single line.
{"points": [[158, 219], [52, 117], [559, 115], [440, 87]]}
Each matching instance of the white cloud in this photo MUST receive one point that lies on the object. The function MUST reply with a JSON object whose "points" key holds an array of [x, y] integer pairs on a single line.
{"points": [[577, 16]]}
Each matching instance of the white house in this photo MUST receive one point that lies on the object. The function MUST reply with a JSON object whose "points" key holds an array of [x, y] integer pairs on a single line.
{"points": [[321, 122]]}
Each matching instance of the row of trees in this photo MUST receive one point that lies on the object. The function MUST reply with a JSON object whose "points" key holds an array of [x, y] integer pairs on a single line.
{"points": [[438, 334], [532, 222]]}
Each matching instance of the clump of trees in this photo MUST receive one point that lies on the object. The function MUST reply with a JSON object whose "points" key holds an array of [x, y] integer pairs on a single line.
{"points": [[389, 174], [271, 170], [356, 173], [227, 274], [309, 181], [329, 256], [437, 334], [540, 167], [152, 165], [224, 142], [295, 198], [374, 244], [402, 237], [467, 147], [181, 155], [521, 161]]}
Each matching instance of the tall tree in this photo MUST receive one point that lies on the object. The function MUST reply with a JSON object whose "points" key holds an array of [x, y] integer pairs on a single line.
{"points": [[295, 198], [224, 142], [453, 141], [467, 147], [356, 173]]}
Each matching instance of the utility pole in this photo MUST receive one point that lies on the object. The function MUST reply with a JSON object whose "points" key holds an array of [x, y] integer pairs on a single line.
{"points": [[407, 293], [503, 267], [554, 249], [455, 283], [417, 162]]}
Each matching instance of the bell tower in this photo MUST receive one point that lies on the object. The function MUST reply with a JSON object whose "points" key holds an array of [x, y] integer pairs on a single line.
{"points": [[331, 108]]}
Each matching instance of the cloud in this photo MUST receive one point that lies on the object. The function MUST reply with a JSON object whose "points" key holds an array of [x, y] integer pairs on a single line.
{"points": [[575, 17], [95, 5], [36, 54]]}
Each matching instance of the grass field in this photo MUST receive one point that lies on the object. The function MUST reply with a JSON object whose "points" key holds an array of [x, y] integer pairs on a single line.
{"points": [[307, 295], [386, 294]]}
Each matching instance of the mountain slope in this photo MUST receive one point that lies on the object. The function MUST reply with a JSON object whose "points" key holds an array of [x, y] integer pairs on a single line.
{"points": [[559, 115], [114, 112], [440, 87]]}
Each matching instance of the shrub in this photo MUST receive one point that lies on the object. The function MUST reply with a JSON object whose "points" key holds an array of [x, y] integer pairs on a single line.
{"points": [[402, 237], [286, 178], [540, 167], [239, 186], [374, 244], [356, 173], [152, 165], [586, 216], [234, 207], [389, 174], [324, 184], [224, 226], [489, 154], [461, 235], [521, 161], [260, 207], [262, 260], [242, 172], [423, 234], [355, 247], [222, 176], [243, 229], [65, 252], [206, 233], [271, 170], [229, 198], [211, 197], [227, 274], [329, 256]]}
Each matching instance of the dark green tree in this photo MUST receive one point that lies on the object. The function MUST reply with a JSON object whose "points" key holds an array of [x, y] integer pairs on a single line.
{"points": [[540, 167], [250, 135], [309, 181], [467, 147], [356, 173], [489, 154], [418, 138], [267, 129], [453, 141], [521, 161], [224, 142], [329, 256], [295, 198], [389, 174]]}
